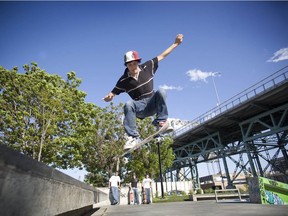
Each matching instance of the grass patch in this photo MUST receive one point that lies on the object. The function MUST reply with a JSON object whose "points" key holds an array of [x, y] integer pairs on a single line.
{"points": [[173, 198]]}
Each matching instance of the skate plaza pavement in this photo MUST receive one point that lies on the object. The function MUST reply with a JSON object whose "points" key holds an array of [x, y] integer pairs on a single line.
{"points": [[202, 208]]}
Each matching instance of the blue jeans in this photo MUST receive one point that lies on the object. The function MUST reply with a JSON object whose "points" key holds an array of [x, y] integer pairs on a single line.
{"points": [[115, 195], [136, 196], [147, 191], [144, 108]]}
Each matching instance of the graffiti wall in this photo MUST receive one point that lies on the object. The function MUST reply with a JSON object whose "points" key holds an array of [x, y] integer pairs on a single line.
{"points": [[273, 192], [267, 191]]}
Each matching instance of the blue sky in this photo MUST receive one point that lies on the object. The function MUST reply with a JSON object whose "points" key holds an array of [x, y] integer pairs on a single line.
{"points": [[239, 43]]}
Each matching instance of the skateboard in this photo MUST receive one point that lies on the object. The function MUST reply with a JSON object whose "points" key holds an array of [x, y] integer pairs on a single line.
{"points": [[131, 196], [147, 140], [144, 201], [127, 154]]}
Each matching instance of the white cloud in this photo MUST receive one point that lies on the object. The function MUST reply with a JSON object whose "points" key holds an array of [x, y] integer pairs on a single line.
{"points": [[166, 87], [280, 55], [196, 75]]}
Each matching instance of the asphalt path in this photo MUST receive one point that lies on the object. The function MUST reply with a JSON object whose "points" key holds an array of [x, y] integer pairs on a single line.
{"points": [[200, 208]]}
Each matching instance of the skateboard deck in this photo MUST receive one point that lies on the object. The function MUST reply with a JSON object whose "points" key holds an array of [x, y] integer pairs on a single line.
{"points": [[146, 140], [144, 198], [131, 196]]}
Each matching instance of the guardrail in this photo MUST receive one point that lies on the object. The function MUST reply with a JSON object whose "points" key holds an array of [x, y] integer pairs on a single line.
{"points": [[277, 78], [232, 193], [223, 194]]}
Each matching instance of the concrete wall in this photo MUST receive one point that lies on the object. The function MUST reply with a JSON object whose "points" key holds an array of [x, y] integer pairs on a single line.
{"points": [[30, 188]]}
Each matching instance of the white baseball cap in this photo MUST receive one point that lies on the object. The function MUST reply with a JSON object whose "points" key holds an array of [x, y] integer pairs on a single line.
{"points": [[131, 56]]}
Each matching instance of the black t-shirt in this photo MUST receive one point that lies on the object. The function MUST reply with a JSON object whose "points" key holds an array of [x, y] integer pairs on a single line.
{"points": [[134, 183], [141, 88]]}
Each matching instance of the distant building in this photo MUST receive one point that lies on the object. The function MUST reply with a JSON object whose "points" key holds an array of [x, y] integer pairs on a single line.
{"points": [[218, 182]]}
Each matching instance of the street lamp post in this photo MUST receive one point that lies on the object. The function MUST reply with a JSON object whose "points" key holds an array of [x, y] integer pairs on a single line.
{"points": [[218, 103], [160, 167], [216, 92]]}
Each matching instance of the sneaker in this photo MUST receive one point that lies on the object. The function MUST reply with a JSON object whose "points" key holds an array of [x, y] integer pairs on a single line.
{"points": [[126, 160], [168, 129], [131, 142]]}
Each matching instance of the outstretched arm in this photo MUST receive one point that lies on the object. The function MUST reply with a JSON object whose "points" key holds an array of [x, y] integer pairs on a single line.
{"points": [[178, 41]]}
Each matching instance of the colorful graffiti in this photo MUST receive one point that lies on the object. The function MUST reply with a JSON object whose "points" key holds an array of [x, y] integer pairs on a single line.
{"points": [[273, 198], [273, 192]]}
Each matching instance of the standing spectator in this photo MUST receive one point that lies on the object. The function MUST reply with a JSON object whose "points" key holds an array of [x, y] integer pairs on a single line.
{"points": [[147, 185], [134, 186], [114, 185]]}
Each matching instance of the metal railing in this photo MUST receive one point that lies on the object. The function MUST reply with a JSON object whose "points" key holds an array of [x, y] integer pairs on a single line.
{"points": [[272, 81], [223, 193]]}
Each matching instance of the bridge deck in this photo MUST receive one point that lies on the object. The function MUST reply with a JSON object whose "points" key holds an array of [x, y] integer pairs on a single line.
{"points": [[268, 94]]}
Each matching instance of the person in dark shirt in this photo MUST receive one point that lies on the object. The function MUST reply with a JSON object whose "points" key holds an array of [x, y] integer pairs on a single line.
{"points": [[137, 82], [134, 186]]}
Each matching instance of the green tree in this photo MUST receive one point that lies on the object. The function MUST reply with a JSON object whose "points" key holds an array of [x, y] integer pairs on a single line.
{"points": [[44, 116], [104, 144]]}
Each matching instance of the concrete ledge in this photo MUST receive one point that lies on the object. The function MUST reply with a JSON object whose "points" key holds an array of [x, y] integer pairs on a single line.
{"points": [[28, 187]]}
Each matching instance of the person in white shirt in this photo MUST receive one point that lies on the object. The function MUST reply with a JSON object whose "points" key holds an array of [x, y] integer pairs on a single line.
{"points": [[147, 185], [114, 185]]}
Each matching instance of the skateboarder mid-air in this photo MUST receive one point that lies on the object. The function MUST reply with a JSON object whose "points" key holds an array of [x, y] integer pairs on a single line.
{"points": [[137, 81]]}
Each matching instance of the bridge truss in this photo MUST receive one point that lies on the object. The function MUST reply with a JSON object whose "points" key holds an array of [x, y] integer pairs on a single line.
{"points": [[248, 132]]}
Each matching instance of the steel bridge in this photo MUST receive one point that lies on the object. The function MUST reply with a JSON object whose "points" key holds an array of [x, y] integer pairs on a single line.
{"points": [[249, 130]]}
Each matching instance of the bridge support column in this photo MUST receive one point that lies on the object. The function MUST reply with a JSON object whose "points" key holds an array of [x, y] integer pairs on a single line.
{"points": [[282, 141], [256, 157], [194, 175], [229, 182], [248, 151]]}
